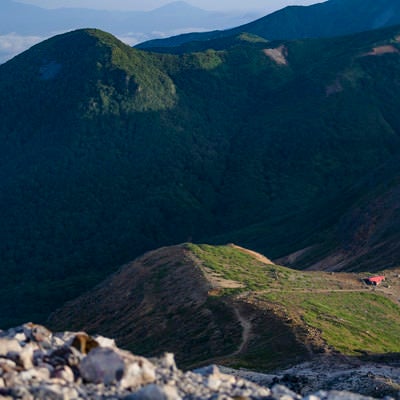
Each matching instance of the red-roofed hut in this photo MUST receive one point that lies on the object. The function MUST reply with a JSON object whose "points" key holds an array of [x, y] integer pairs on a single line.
{"points": [[375, 280]]}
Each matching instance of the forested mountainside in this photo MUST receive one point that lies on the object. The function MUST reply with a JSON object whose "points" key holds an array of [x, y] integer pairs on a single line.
{"points": [[109, 151]]}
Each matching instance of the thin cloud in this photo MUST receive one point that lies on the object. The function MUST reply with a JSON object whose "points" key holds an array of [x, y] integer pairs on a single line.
{"points": [[133, 38], [13, 44]]}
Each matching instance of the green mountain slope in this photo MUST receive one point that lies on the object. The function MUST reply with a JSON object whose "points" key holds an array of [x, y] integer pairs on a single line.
{"points": [[327, 19], [108, 152], [231, 306]]}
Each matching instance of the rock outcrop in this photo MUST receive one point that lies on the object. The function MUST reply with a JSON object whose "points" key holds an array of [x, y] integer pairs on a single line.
{"points": [[37, 364]]}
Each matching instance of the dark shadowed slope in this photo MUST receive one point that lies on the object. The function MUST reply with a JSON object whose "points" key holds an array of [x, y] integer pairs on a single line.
{"points": [[366, 236]]}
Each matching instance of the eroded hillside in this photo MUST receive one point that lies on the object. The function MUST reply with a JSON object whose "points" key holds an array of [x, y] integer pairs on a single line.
{"points": [[226, 305]]}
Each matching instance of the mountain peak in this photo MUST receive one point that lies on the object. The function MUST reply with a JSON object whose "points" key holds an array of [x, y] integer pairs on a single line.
{"points": [[178, 6], [73, 37], [92, 55]]}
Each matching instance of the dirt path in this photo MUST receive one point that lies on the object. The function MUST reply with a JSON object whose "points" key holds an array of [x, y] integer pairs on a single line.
{"points": [[246, 326], [310, 290], [246, 335]]}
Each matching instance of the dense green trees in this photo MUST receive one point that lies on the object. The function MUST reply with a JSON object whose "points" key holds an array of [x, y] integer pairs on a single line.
{"points": [[108, 151]]}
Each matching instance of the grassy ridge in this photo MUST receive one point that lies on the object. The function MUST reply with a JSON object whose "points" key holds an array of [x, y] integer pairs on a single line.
{"points": [[354, 322], [350, 319]]}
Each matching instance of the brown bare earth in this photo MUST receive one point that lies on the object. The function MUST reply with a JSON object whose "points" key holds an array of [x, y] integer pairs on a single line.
{"points": [[278, 55], [380, 50]]}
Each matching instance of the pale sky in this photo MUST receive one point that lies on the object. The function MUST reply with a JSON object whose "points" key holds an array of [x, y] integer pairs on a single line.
{"points": [[222, 5]]}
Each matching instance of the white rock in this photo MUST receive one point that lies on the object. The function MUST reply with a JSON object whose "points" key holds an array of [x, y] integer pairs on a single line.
{"points": [[21, 392], [283, 393], [55, 392], [168, 361], [226, 378], [35, 374], [37, 333], [138, 371], [46, 365], [26, 355], [263, 392], [102, 365], [7, 365], [57, 341], [155, 392], [213, 382], [9, 346], [20, 337], [66, 337], [105, 342], [12, 379], [208, 370], [64, 373]]}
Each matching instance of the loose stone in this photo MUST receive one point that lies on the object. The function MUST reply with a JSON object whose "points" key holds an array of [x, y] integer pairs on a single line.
{"points": [[102, 365], [36, 364]]}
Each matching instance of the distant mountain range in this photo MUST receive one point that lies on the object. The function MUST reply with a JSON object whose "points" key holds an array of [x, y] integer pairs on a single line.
{"points": [[327, 19], [23, 24], [27, 19], [288, 148]]}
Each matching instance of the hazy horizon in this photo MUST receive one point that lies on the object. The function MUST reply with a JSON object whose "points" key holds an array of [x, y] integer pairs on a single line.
{"points": [[137, 5]]}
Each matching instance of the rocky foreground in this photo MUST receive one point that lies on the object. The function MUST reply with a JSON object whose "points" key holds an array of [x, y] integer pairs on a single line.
{"points": [[37, 364]]}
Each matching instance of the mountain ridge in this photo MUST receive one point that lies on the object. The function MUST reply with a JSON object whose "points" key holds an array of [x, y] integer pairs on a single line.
{"points": [[58, 19], [22, 25], [226, 305], [326, 19]]}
